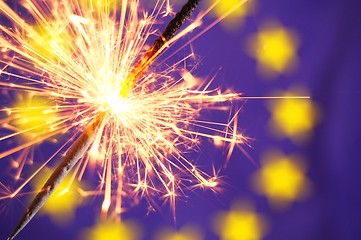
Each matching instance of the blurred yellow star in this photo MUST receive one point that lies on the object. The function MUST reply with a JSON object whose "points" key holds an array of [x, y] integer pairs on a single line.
{"points": [[186, 233], [236, 10], [33, 115], [281, 179], [110, 230], [62, 203], [274, 48], [240, 223], [50, 41], [293, 117], [101, 5]]}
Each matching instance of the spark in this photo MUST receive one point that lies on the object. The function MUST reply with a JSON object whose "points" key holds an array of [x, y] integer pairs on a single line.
{"points": [[131, 121]]}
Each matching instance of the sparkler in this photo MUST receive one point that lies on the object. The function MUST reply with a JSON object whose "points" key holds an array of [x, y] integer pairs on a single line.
{"points": [[139, 123]]}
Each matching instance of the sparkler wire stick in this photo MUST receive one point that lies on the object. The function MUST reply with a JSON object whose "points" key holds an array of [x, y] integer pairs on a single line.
{"points": [[72, 156], [80, 146], [172, 27]]}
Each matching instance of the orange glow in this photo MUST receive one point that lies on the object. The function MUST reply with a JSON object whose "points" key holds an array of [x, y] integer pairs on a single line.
{"points": [[152, 120]]}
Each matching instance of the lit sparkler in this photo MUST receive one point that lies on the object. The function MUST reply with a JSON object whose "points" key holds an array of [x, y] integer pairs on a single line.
{"points": [[89, 61]]}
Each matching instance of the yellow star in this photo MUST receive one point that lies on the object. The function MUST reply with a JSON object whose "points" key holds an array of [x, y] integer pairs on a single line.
{"points": [[33, 116], [281, 179], [293, 117], [274, 48], [237, 9], [110, 230], [240, 223], [62, 203], [50, 41], [186, 233], [101, 5]]}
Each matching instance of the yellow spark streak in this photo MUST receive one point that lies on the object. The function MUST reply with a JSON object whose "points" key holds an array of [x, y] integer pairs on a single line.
{"points": [[153, 119]]}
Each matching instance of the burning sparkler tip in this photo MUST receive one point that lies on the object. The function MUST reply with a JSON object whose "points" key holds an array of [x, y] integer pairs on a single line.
{"points": [[144, 127]]}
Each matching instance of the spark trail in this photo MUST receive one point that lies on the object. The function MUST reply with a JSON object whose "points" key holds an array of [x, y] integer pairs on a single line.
{"points": [[86, 62], [82, 144]]}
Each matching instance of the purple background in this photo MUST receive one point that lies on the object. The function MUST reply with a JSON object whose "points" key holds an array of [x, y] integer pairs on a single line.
{"points": [[330, 67]]}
